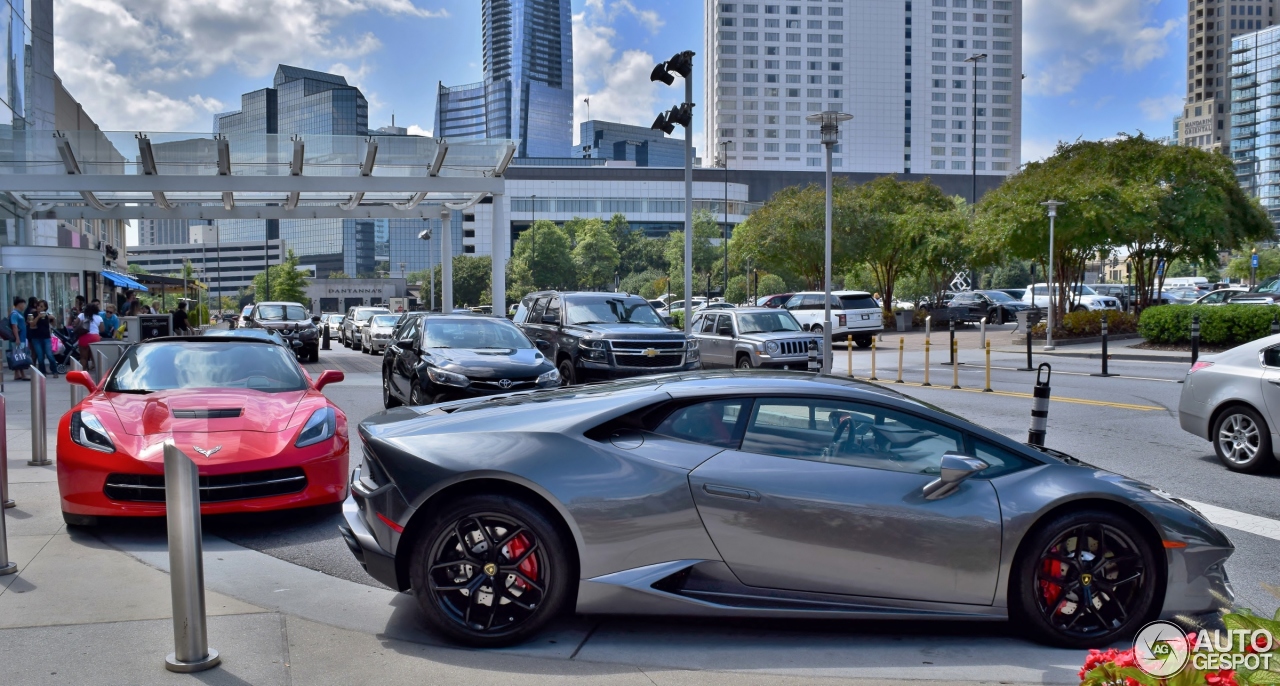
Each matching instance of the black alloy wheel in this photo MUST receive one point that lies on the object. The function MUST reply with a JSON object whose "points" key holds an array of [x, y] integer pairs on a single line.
{"points": [[863, 342], [389, 400], [744, 362], [417, 397], [1087, 578], [490, 571], [566, 372]]}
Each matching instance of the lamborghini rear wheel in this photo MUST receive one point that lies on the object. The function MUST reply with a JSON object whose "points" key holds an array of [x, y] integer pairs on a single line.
{"points": [[490, 571]]}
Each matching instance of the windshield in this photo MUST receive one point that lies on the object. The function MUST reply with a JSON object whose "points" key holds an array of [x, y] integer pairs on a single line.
{"points": [[385, 320], [278, 313], [364, 315], [1271, 285], [478, 333], [767, 322], [613, 311], [999, 297], [1083, 290], [335, 319], [165, 366]]}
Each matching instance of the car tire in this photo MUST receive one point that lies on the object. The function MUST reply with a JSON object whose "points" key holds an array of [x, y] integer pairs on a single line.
{"points": [[744, 362], [501, 544], [389, 400], [816, 328], [1242, 440], [1123, 593], [418, 397], [863, 342], [567, 372], [1079, 308], [999, 316]]}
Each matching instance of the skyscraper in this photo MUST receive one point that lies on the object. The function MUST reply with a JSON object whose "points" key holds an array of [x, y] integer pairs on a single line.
{"points": [[1211, 26], [919, 104], [527, 92]]}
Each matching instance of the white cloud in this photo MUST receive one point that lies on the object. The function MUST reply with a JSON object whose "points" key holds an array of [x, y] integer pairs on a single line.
{"points": [[146, 47], [1065, 40], [1163, 108], [1036, 149], [415, 130], [617, 85]]}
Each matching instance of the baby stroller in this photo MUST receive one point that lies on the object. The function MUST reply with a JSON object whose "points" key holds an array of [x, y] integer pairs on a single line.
{"points": [[64, 349]]}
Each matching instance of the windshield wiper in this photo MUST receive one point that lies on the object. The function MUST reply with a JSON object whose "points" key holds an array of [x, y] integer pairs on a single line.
{"points": [[135, 391], [595, 321]]}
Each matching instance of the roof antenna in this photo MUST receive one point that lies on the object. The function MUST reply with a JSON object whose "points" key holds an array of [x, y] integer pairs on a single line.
{"points": [[393, 119]]}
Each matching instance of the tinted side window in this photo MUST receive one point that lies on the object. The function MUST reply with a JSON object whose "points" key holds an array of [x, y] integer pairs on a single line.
{"points": [[812, 302], [793, 302], [553, 308], [708, 324], [716, 422], [1001, 461], [1271, 357], [724, 326], [539, 307]]}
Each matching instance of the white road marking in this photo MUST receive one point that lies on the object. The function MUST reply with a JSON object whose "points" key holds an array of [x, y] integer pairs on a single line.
{"points": [[1240, 521]]}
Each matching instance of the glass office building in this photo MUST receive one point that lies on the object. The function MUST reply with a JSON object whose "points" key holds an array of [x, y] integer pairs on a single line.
{"points": [[1255, 116], [527, 92]]}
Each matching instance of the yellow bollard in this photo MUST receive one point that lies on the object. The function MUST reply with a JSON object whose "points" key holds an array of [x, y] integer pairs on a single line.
{"points": [[902, 343], [988, 388], [926, 362], [849, 348], [955, 364], [873, 360]]}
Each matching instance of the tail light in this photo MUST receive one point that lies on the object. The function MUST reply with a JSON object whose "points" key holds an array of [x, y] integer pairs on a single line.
{"points": [[1199, 365], [840, 319]]}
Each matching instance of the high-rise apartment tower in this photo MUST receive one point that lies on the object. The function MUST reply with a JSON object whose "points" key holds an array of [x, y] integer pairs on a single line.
{"points": [[1211, 26]]}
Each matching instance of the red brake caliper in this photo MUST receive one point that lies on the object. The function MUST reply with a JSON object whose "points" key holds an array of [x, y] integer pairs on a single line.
{"points": [[529, 567], [1050, 590]]}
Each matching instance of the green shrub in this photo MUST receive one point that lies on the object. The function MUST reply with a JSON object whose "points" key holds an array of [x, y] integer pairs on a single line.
{"points": [[1224, 325], [1089, 323], [677, 319]]}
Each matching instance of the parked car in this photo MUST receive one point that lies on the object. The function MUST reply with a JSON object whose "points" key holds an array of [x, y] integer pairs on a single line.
{"points": [[1266, 292], [375, 335], [1084, 298], [776, 300], [1183, 296], [1232, 399], [1119, 291], [853, 313], [678, 306], [263, 435], [1221, 296], [717, 306], [759, 493], [292, 322], [752, 337], [355, 320], [244, 316], [334, 323], [269, 335], [997, 306], [604, 335], [1015, 293], [446, 357]]}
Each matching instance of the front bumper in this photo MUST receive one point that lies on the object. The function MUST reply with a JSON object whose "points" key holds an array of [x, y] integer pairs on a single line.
{"points": [[380, 564], [589, 370], [856, 331]]}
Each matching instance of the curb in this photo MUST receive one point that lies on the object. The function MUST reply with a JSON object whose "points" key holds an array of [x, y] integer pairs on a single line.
{"points": [[1124, 357], [1022, 340]]}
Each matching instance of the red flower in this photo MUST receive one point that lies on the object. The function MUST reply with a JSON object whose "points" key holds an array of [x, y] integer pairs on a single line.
{"points": [[1224, 677]]}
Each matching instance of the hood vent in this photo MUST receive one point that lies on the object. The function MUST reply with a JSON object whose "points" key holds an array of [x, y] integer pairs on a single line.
{"points": [[217, 413]]}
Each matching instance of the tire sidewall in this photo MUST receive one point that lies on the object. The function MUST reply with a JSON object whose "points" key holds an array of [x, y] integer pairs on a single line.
{"points": [[1023, 605], [1263, 460], [567, 371], [558, 591]]}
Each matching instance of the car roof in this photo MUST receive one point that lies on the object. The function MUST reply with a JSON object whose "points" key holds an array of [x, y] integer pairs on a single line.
{"points": [[235, 336], [835, 293], [280, 302]]}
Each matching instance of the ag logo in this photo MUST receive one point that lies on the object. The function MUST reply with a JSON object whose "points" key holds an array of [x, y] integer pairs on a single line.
{"points": [[1160, 649], [505, 383], [1086, 579]]}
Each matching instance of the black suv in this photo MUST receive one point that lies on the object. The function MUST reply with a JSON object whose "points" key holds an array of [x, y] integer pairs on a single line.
{"points": [[291, 321], [604, 335]]}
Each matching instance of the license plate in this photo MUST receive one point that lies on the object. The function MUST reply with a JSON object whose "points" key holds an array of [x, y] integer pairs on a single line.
{"points": [[866, 317]]}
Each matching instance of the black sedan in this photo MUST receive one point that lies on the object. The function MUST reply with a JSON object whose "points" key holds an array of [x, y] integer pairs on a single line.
{"points": [[997, 306], [442, 357]]}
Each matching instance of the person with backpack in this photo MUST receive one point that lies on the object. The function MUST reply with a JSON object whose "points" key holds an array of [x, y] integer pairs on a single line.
{"points": [[40, 337], [19, 359]]}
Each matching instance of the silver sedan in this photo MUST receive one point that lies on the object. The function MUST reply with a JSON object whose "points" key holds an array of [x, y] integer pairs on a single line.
{"points": [[1233, 400]]}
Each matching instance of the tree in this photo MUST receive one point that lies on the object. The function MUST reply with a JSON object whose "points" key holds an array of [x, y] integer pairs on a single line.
{"points": [[648, 284], [737, 290], [786, 234], [287, 283], [137, 269], [338, 275], [1015, 274], [1268, 265], [636, 251], [771, 284], [705, 228], [595, 257], [544, 251]]}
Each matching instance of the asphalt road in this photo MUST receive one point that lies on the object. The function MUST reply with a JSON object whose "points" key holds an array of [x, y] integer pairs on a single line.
{"points": [[1127, 424]]}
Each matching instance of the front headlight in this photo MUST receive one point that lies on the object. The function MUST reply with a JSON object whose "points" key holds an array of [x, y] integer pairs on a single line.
{"points": [[88, 431], [442, 377], [693, 344], [594, 349], [320, 427], [771, 347], [548, 378]]}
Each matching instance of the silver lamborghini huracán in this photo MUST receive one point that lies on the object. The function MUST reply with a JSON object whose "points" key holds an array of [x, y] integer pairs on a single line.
{"points": [[760, 494]]}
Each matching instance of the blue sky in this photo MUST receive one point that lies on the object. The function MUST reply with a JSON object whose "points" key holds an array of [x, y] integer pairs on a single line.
{"points": [[1093, 67]]}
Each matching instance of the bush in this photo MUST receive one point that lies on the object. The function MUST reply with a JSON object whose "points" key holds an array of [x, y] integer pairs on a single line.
{"points": [[1086, 324], [1224, 325]]}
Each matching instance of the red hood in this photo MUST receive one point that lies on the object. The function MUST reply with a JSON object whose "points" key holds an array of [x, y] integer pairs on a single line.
{"points": [[153, 413]]}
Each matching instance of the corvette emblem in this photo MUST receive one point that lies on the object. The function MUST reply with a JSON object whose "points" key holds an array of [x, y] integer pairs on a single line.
{"points": [[209, 452], [505, 383], [650, 352], [1086, 579]]}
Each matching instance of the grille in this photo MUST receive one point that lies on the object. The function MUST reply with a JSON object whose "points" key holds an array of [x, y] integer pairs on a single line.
{"points": [[793, 347], [218, 413], [516, 384], [650, 362], [213, 489], [645, 345]]}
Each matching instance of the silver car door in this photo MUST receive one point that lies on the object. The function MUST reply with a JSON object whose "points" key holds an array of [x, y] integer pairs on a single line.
{"points": [[1270, 386], [799, 508]]}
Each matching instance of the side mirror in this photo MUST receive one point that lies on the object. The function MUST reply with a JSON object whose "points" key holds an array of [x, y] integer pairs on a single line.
{"points": [[550, 319], [407, 344], [669, 320], [955, 469], [804, 327], [544, 346], [329, 376], [80, 378], [315, 319]]}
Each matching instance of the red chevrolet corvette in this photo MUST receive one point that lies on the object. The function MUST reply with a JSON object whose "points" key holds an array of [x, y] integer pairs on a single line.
{"points": [[262, 434]]}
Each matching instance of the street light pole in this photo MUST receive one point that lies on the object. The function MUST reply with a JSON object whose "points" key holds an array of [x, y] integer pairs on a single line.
{"points": [[682, 63], [724, 160], [1052, 206], [973, 133], [533, 228], [830, 128]]}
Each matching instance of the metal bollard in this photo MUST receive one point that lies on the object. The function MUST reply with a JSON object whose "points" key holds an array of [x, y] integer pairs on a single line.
{"points": [[39, 448], [1040, 406], [955, 368], [1029, 367], [5, 500], [186, 564], [1195, 338], [987, 388], [951, 327], [982, 334], [1105, 356], [99, 365], [78, 392], [849, 349], [324, 337], [815, 364], [926, 362], [902, 344], [873, 360], [928, 326]]}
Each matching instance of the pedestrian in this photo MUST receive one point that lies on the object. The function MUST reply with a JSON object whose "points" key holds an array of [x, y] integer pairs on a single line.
{"points": [[18, 327], [40, 335], [111, 322], [78, 307], [91, 324], [180, 324]]}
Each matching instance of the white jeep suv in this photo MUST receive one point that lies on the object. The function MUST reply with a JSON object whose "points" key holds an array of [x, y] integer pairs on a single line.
{"points": [[1085, 298]]}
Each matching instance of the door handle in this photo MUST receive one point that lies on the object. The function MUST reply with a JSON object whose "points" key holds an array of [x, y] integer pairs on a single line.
{"points": [[729, 492], [1274, 381]]}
